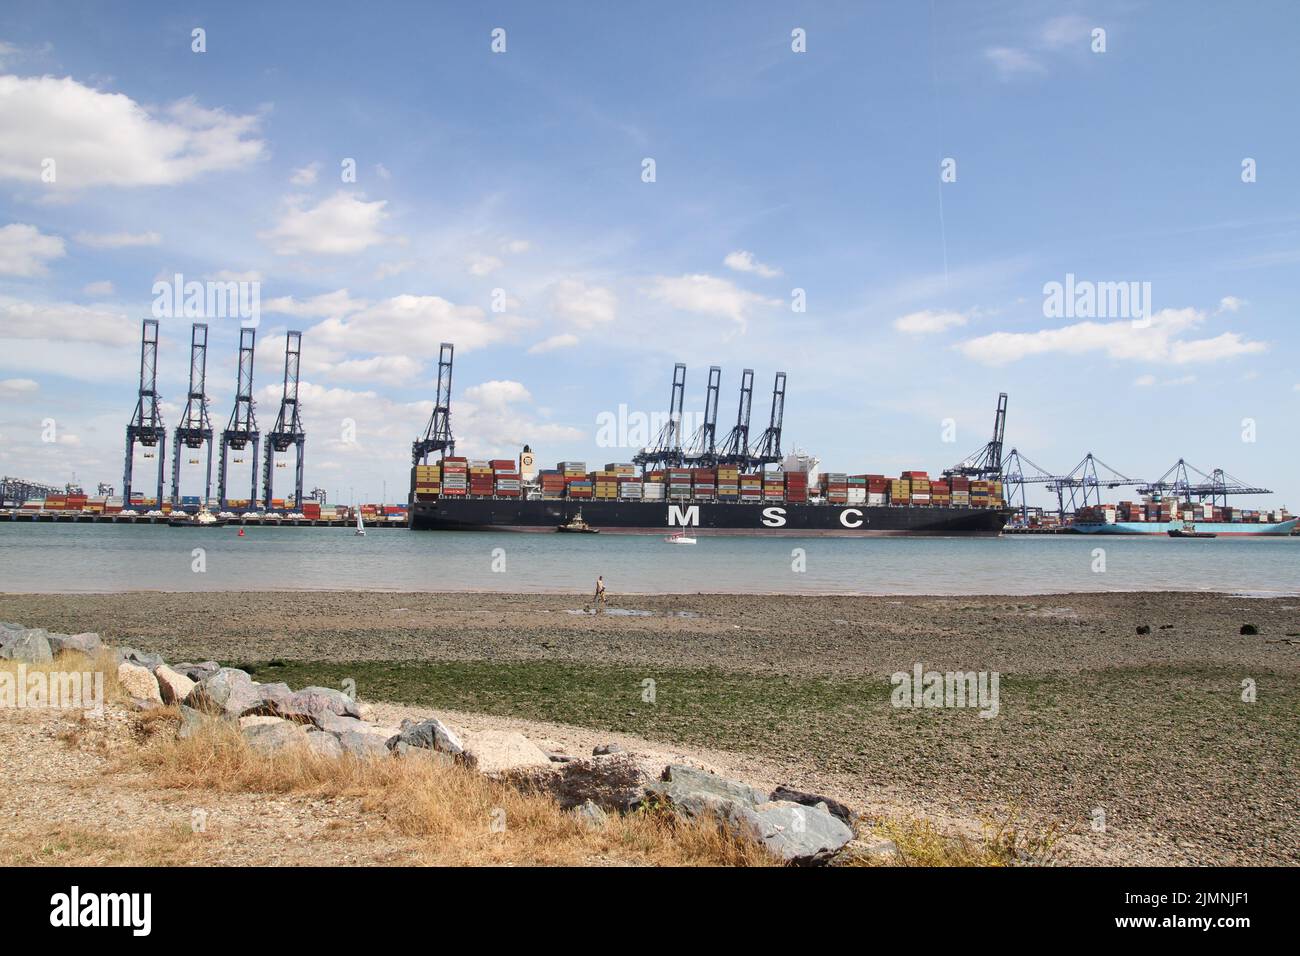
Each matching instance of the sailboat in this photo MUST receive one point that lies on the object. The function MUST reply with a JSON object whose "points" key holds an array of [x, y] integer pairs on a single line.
{"points": [[361, 527]]}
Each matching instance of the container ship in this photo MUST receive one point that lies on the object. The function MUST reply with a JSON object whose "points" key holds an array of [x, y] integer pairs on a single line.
{"points": [[458, 494], [1155, 516]]}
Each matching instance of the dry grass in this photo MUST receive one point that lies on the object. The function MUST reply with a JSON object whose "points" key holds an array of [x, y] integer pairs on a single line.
{"points": [[68, 845], [75, 662], [457, 816], [1008, 841]]}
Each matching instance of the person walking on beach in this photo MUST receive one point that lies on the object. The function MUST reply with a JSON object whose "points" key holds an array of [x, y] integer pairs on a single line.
{"points": [[600, 590]]}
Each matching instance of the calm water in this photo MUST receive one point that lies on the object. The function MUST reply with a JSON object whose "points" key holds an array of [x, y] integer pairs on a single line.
{"points": [[97, 558]]}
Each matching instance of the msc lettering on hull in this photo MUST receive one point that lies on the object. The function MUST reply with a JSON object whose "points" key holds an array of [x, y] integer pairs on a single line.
{"points": [[677, 515]]}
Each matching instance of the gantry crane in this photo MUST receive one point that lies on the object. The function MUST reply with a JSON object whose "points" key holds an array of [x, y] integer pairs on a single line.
{"points": [[704, 443], [437, 434], [667, 450], [146, 425], [194, 430], [987, 462], [734, 449], [288, 431], [1216, 486], [767, 449], [241, 431]]}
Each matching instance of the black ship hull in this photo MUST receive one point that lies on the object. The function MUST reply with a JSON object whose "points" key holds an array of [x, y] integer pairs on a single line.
{"points": [[750, 518]]}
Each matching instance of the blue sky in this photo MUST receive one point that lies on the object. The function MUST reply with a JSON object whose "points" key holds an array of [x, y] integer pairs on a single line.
{"points": [[521, 171]]}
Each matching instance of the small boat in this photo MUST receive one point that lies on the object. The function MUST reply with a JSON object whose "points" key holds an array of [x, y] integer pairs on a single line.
{"points": [[361, 526], [576, 525], [203, 519], [679, 538], [1188, 530]]}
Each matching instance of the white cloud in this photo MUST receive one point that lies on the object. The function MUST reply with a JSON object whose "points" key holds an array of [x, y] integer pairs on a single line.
{"points": [[1064, 31], [305, 175], [708, 295], [340, 225], [381, 368], [98, 138], [581, 305], [25, 250], [411, 325], [926, 322], [327, 305], [563, 341], [480, 265], [15, 386], [118, 240], [98, 288], [742, 261], [1159, 341], [64, 322], [1230, 303], [516, 246], [498, 393], [1011, 62]]}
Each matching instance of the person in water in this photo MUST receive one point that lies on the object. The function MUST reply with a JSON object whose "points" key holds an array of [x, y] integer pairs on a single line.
{"points": [[600, 590]]}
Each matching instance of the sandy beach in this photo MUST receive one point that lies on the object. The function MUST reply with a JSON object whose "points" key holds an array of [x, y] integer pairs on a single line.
{"points": [[1138, 746]]}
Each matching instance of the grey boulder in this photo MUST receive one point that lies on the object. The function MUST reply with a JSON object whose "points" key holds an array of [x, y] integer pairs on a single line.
{"points": [[274, 737], [88, 643], [196, 672], [429, 734], [229, 692], [129, 655], [363, 745], [28, 646], [311, 704], [790, 831], [323, 744]]}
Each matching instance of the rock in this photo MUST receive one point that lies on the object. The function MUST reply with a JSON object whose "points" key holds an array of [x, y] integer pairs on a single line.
{"points": [[499, 751], [590, 814], [344, 725], [274, 737], [364, 746], [196, 672], [790, 831], [795, 833], [615, 784], [604, 750], [258, 720], [399, 748], [323, 744], [877, 850], [131, 656], [365, 711], [834, 807], [428, 734], [274, 699], [1144, 629], [1249, 629], [310, 704], [557, 757], [143, 703], [192, 721], [229, 692], [11, 626], [28, 646], [88, 643], [686, 786], [174, 687], [138, 682]]}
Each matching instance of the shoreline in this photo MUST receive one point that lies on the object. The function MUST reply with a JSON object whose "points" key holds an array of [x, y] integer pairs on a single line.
{"points": [[1131, 702], [561, 592]]}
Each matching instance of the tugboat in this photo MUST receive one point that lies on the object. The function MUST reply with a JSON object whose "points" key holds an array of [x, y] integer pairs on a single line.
{"points": [[577, 526], [203, 519], [1188, 530]]}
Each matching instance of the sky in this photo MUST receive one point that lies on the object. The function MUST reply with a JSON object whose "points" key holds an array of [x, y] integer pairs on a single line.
{"points": [[578, 195]]}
